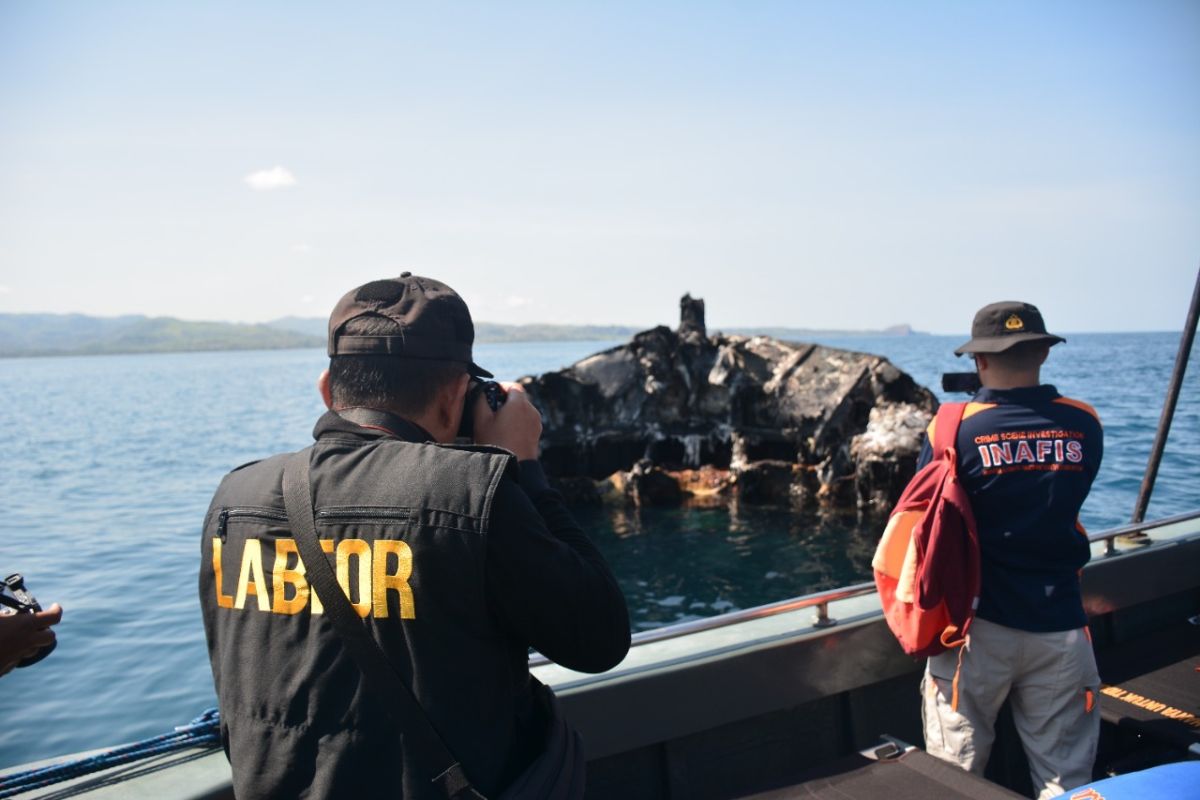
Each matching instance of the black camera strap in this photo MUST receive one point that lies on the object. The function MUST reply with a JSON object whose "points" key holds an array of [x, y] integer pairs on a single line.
{"points": [[380, 676], [13, 602]]}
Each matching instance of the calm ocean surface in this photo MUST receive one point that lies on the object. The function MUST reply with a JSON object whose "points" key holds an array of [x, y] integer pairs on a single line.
{"points": [[110, 461]]}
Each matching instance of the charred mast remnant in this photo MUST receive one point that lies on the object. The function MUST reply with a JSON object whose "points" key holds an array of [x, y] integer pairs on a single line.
{"points": [[677, 416]]}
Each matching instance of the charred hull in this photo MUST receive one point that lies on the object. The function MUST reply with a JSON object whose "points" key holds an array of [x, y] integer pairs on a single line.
{"points": [[767, 421]]}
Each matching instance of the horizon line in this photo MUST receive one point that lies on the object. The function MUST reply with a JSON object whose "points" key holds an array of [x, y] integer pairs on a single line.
{"points": [[637, 326]]}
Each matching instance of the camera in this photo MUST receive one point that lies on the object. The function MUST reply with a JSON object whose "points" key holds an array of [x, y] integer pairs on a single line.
{"points": [[16, 599], [492, 392], [961, 382]]}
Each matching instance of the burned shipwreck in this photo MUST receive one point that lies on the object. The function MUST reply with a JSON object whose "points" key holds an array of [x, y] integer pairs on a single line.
{"points": [[679, 416]]}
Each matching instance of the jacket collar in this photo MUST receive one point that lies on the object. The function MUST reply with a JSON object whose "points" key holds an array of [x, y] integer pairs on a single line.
{"points": [[369, 423], [1025, 395]]}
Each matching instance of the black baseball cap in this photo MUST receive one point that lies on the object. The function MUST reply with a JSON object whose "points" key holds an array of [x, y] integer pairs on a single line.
{"points": [[434, 322], [999, 326]]}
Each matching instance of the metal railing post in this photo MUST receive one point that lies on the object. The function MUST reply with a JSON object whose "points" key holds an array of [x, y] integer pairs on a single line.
{"points": [[1168, 412]]}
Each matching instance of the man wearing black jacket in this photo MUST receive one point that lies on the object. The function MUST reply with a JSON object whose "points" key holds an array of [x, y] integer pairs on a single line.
{"points": [[458, 560]]}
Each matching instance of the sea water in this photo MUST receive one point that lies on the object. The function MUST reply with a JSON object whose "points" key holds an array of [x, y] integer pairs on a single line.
{"points": [[109, 463]]}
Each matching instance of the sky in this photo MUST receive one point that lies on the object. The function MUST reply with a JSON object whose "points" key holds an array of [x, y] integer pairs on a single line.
{"points": [[844, 165]]}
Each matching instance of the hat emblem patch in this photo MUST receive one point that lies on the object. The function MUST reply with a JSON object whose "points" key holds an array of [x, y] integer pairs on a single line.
{"points": [[1014, 323]]}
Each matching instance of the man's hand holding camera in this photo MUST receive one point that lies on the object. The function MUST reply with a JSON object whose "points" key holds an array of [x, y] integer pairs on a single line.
{"points": [[516, 425], [23, 635]]}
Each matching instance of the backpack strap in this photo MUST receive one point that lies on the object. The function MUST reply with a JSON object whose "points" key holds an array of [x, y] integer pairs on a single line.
{"points": [[945, 428], [945, 437]]}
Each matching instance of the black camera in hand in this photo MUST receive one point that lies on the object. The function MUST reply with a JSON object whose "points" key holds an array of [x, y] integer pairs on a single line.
{"points": [[14, 596], [492, 392]]}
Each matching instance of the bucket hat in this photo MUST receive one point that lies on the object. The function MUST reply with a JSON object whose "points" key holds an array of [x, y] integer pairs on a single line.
{"points": [[999, 326]]}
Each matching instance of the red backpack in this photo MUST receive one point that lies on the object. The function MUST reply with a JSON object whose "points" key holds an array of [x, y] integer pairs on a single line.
{"points": [[927, 563]]}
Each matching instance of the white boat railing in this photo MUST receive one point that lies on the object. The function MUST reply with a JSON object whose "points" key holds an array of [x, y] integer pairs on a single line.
{"points": [[821, 600]]}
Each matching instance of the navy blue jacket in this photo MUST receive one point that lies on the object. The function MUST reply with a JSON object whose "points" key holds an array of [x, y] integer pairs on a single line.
{"points": [[1027, 458]]}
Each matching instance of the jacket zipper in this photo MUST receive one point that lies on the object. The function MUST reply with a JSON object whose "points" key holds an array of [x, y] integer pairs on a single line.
{"points": [[362, 512], [259, 512], [275, 515]]}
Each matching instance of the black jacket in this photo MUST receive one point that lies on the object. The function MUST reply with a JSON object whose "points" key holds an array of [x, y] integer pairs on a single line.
{"points": [[458, 560]]}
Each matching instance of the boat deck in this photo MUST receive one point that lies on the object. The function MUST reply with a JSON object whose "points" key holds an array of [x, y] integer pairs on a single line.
{"points": [[1150, 708], [1152, 692], [915, 775]]}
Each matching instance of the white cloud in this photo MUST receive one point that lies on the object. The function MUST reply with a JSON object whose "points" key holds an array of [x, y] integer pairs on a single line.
{"points": [[264, 180], [308, 299], [302, 248], [5, 290], [518, 302]]}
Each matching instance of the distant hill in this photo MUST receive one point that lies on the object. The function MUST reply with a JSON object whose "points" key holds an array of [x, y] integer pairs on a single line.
{"points": [[486, 331], [77, 334], [809, 333], [309, 326], [497, 332]]}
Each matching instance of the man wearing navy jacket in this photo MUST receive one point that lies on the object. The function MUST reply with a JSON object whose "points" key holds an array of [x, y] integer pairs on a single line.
{"points": [[1027, 457]]}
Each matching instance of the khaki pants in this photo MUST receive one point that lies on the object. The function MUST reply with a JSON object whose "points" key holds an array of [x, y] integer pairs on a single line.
{"points": [[1054, 685]]}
